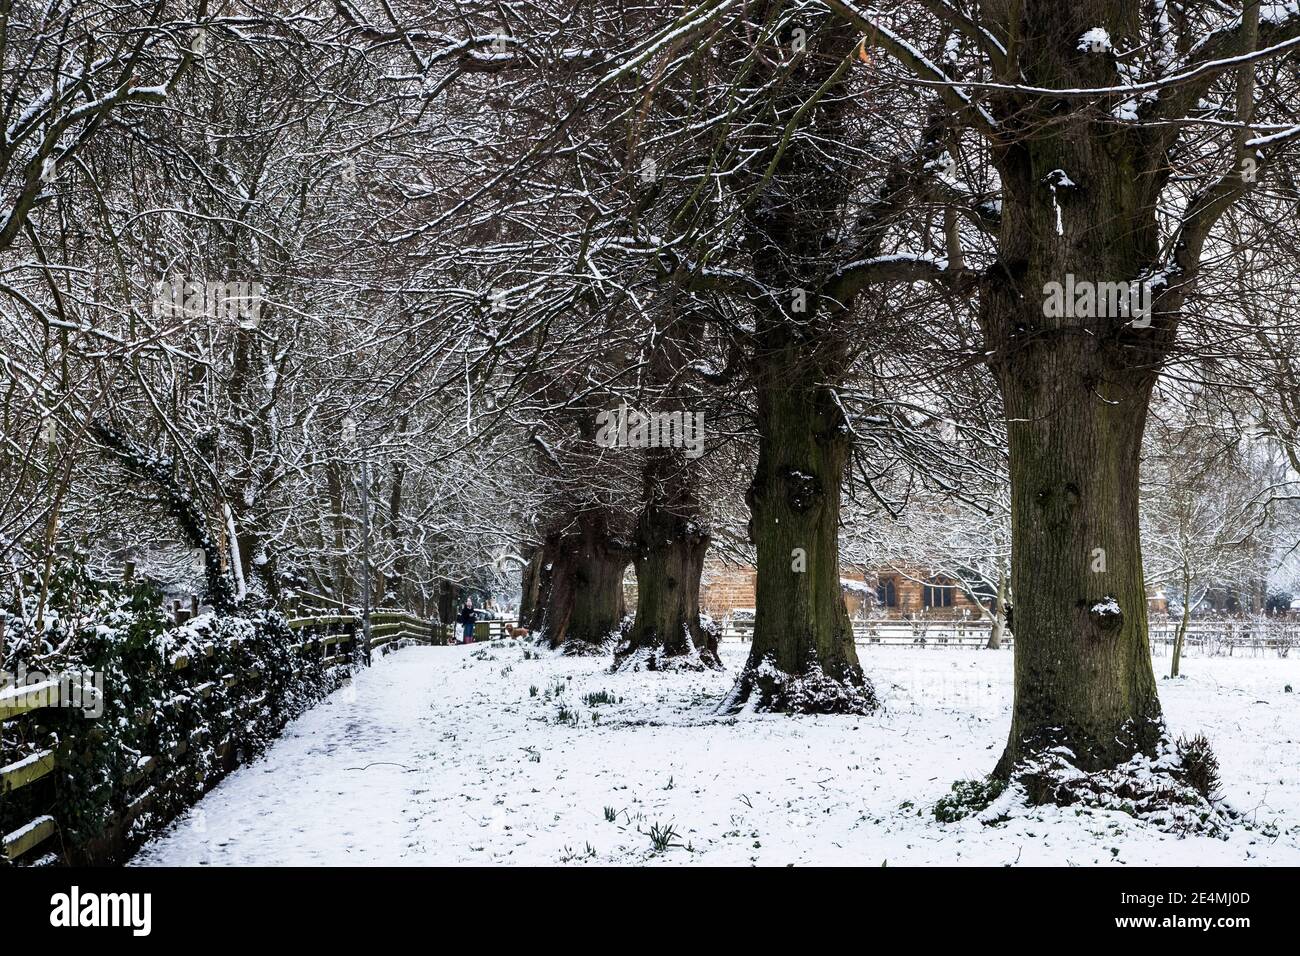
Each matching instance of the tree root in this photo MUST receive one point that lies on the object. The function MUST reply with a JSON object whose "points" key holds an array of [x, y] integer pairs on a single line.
{"points": [[764, 688], [627, 659], [1175, 790]]}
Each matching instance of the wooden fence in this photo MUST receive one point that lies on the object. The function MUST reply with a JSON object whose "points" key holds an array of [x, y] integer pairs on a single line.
{"points": [[483, 631], [1225, 637], [899, 633], [324, 640], [1228, 637]]}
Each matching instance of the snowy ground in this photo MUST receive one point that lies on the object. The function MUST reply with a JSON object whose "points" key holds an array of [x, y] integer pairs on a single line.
{"points": [[442, 755]]}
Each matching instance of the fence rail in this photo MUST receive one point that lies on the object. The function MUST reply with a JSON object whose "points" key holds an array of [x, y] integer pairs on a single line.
{"points": [[386, 626], [1225, 637], [946, 633], [1219, 637]]}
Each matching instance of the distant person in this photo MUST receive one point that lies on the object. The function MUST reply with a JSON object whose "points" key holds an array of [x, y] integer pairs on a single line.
{"points": [[466, 620]]}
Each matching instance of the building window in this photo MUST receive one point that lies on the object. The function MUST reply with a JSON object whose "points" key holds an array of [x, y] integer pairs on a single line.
{"points": [[938, 595], [886, 594]]}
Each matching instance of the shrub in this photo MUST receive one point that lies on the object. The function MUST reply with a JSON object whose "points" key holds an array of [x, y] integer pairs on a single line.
{"points": [[967, 797]]}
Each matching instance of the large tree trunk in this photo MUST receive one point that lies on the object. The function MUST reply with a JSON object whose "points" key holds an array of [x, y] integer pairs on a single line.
{"points": [[670, 546], [584, 606], [1076, 374], [1083, 676], [802, 659]]}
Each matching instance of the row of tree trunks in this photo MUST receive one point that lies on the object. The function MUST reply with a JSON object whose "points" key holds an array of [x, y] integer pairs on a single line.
{"points": [[803, 657]]}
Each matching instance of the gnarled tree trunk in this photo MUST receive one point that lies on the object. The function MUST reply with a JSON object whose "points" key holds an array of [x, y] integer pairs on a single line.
{"points": [[584, 604], [670, 546], [530, 589]]}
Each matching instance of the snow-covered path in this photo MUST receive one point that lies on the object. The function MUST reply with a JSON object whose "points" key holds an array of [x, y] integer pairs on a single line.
{"points": [[490, 754]]}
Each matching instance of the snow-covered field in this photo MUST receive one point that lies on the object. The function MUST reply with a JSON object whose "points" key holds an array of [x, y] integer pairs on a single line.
{"points": [[449, 756]]}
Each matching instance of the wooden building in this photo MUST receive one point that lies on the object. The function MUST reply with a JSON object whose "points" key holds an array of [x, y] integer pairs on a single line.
{"points": [[906, 593], [867, 593]]}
